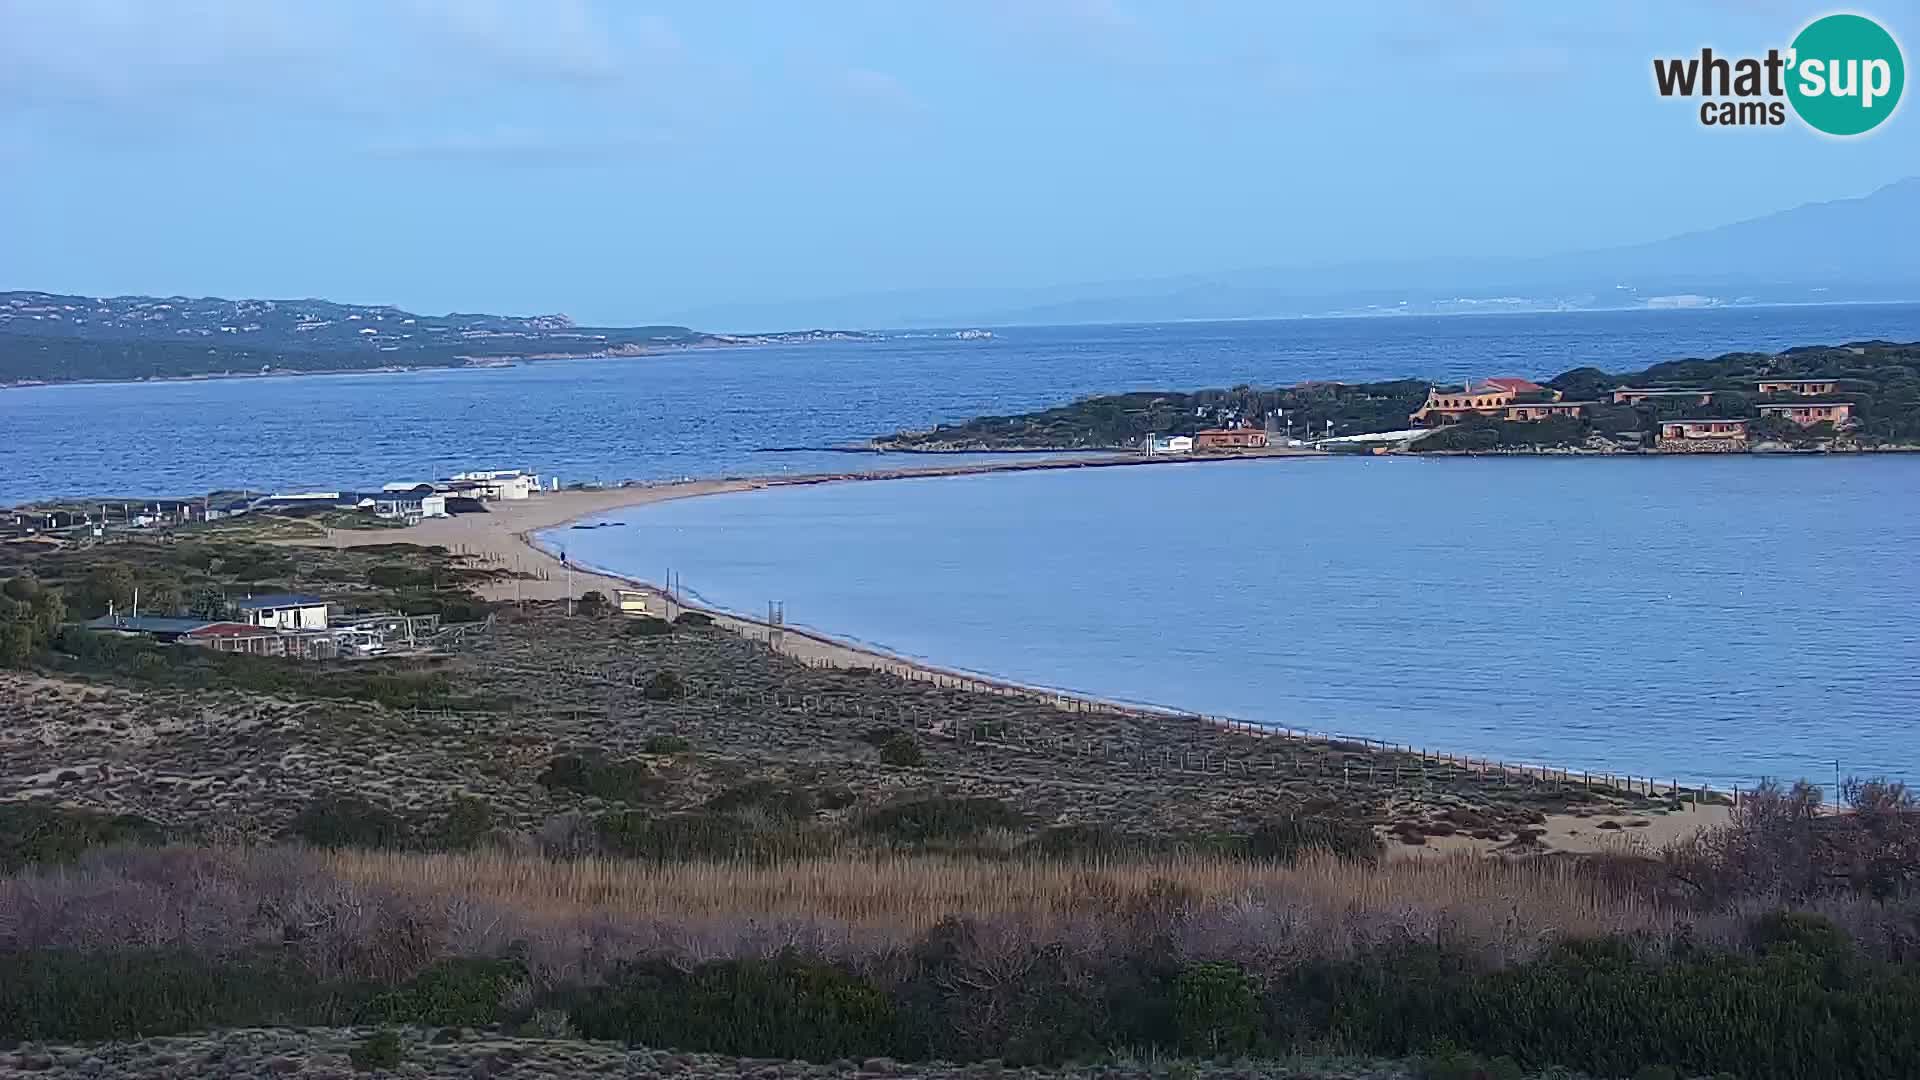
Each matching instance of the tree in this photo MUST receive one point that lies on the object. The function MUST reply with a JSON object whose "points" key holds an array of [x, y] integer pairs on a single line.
{"points": [[107, 585], [49, 610], [16, 644], [209, 602]]}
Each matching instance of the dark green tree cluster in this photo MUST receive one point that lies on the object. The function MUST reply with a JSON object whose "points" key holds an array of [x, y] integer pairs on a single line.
{"points": [[30, 618], [1124, 420]]}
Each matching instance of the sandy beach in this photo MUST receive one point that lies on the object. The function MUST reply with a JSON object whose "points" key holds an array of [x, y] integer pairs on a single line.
{"points": [[505, 537]]}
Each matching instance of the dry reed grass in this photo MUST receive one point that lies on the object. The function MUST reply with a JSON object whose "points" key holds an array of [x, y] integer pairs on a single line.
{"points": [[909, 894]]}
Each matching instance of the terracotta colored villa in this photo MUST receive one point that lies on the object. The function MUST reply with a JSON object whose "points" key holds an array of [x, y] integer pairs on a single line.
{"points": [[1802, 387], [1837, 413], [1632, 395], [1230, 439], [1694, 430], [1493, 398]]}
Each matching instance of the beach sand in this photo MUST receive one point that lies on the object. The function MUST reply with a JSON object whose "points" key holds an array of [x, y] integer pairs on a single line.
{"points": [[504, 537]]}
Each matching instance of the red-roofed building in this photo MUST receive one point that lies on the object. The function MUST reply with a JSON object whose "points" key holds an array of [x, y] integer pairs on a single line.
{"points": [[240, 638], [1488, 398], [1522, 386]]}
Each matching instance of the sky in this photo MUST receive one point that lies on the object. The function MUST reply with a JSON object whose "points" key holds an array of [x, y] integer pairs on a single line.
{"points": [[629, 162]]}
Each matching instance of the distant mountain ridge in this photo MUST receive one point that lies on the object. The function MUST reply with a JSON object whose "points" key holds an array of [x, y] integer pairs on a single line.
{"points": [[1841, 250]]}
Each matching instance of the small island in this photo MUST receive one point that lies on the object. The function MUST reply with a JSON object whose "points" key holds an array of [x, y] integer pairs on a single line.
{"points": [[1863, 395]]}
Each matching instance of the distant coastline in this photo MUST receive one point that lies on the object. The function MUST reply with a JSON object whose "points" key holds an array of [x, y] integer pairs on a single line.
{"points": [[471, 364], [1853, 396]]}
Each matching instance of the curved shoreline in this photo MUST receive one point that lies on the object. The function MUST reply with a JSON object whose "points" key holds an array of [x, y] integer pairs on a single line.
{"points": [[508, 537]]}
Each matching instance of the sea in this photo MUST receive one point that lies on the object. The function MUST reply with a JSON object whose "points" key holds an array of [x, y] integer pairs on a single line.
{"points": [[1702, 620], [1708, 619]]}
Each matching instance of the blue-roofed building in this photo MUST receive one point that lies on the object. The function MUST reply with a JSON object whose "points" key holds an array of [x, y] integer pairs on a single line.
{"points": [[283, 611], [158, 627]]}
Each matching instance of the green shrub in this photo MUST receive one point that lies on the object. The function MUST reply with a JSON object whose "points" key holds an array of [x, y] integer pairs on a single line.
{"points": [[929, 820], [1656, 1072], [1289, 838], [380, 1050], [1214, 1009], [590, 773], [55, 994], [467, 822], [646, 626], [399, 576], [592, 603], [1803, 933], [1448, 1062], [666, 744], [37, 832], [787, 1007], [664, 686], [463, 992], [902, 750], [777, 800], [348, 821], [693, 619]]}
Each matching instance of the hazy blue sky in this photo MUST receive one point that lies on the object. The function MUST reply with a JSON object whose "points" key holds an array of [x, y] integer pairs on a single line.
{"points": [[624, 161]]}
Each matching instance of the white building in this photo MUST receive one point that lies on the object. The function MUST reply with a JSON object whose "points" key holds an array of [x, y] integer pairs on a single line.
{"points": [[410, 502], [499, 484], [283, 611], [1177, 444]]}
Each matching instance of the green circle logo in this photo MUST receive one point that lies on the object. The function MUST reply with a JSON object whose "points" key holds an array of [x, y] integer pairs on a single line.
{"points": [[1846, 74]]}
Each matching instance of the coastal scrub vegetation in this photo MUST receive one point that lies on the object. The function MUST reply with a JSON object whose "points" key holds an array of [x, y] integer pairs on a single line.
{"points": [[1545, 962], [565, 828]]}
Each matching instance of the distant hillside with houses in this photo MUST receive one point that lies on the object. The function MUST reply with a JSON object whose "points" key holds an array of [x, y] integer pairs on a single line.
{"points": [[1863, 394], [49, 337]]}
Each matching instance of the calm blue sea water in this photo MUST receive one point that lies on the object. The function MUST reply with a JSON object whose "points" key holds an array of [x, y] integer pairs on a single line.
{"points": [[1707, 619], [708, 413], [1712, 619]]}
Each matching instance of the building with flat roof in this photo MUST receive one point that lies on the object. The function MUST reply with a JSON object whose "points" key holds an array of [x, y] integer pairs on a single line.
{"points": [[1800, 387], [158, 627], [1837, 413], [496, 484], [1703, 429], [1230, 439], [283, 611], [1633, 395], [409, 504], [1544, 410]]}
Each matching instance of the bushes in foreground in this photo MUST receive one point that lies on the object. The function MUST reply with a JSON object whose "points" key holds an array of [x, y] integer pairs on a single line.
{"points": [[32, 832], [967, 992]]}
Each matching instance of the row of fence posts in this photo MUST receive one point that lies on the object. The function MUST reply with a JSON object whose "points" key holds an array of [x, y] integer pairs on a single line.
{"points": [[1455, 765]]}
